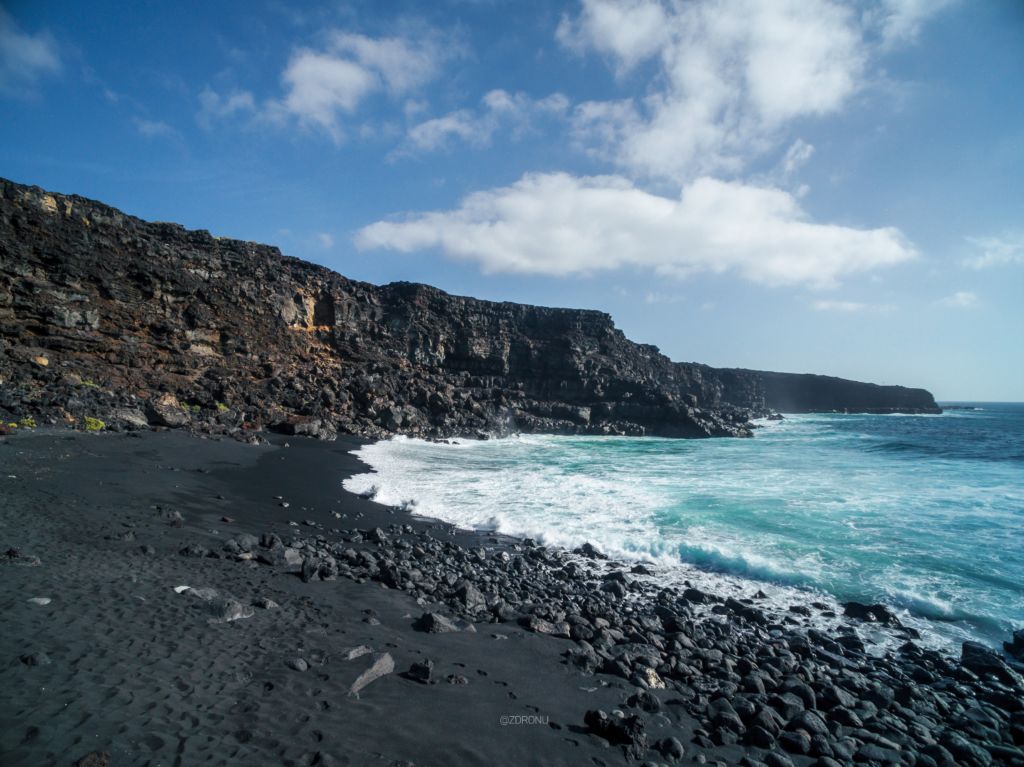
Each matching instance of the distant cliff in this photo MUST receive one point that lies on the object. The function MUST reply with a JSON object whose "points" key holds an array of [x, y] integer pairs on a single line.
{"points": [[108, 317], [806, 393]]}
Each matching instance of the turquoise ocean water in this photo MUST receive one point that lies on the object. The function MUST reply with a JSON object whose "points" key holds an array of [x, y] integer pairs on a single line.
{"points": [[925, 513]]}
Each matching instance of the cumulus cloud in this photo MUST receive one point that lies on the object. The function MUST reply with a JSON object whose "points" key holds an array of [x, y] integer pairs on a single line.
{"points": [[996, 251], [962, 299], [629, 30], [477, 127], [558, 224], [401, 63], [24, 59], [324, 85], [727, 77]]}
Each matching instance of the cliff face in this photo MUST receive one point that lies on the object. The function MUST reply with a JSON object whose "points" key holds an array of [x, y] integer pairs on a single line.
{"points": [[805, 393], [106, 316]]}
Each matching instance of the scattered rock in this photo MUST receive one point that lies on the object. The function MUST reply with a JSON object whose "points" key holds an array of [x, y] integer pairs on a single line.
{"points": [[297, 664], [435, 623], [984, 660], [15, 557], [94, 759], [1016, 647], [421, 672], [625, 731], [540, 626], [383, 664], [670, 748], [165, 410], [42, 601], [876, 613], [590, 551], [217, 607]]}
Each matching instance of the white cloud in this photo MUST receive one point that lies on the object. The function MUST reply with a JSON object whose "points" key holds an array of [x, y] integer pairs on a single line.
{"points": [[326, 240], [901, 20], [629, 30], [214, 106], [403, 64], [462, 124], [653, 297], [796, 156], [850, 307], [839, 306], [558, 224], [497, 108], [728, 77], [322, 86], [24, 58], [996, 251], [154, 128], [962, 299]]}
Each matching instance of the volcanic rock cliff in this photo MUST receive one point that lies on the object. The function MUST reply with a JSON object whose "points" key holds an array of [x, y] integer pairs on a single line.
{"points": [[107, 321]]}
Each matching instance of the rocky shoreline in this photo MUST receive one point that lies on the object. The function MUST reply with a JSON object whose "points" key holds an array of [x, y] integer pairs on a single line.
{"points": [[263, 615]]}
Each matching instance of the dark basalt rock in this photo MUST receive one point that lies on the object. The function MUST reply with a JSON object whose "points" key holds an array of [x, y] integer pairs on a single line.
{"points": [[983, 660], [435, 623], [871, 613], [626, 731], [772, 688], [1016, 647], [107, 317]]}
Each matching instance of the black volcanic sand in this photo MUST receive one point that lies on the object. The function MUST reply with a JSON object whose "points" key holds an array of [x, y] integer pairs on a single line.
{"points": [[120, 662]]}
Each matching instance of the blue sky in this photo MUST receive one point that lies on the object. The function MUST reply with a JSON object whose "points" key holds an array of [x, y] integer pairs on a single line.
{"points": [[812, 186]]}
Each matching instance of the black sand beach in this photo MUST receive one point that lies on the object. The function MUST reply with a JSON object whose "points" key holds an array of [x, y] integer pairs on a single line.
{"points": [[119, 662], [136, 670]]}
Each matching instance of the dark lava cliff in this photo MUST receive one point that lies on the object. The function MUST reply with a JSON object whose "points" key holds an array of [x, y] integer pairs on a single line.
{"points": [[104, 316]]}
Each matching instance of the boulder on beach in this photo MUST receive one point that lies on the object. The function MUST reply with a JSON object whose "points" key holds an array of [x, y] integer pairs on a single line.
{"points": [[383, 664], [876, 613], [983, 660], [435, 623]]}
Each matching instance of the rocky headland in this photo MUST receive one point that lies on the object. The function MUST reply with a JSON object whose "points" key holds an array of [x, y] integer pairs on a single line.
{"points": [[110, 322]]}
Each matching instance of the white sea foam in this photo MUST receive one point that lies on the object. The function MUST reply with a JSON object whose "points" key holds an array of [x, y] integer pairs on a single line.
{"points": [[804, 513]]}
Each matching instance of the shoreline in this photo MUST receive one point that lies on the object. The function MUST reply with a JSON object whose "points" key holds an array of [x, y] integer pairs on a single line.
{"points": [[714, 575], [552, 639]]}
